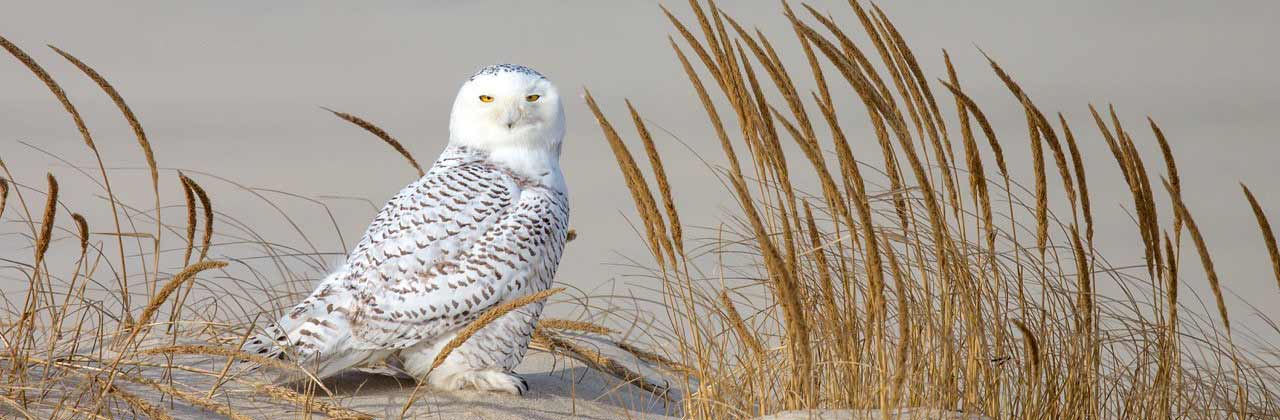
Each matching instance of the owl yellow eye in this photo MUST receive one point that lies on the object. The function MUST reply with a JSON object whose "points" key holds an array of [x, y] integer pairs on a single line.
{"points": [[486, 98], [532, 98]]}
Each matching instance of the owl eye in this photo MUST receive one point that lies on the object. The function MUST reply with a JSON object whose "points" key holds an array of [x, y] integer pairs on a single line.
{"points": [[532, 98], [486, 98]]}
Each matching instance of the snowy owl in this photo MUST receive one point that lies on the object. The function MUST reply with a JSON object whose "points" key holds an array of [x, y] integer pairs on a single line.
{"points": [[485, 225]]}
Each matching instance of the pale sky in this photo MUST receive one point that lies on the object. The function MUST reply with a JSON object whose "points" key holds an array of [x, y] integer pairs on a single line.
{"points": [[233, 87]]}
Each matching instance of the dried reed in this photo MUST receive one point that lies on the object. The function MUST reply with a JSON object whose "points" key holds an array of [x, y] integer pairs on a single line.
{"points": [[4, 194], [220, 351], [142, 406], [381, 134], [311, 405], [207, 207], [600, 362], [138, 132], [1268, 237], [489, 316], [61, 95], [163, 293], [573, 325]]}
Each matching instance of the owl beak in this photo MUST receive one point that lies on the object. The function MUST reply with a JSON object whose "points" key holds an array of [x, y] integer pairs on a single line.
{"points": [[511, 115]]}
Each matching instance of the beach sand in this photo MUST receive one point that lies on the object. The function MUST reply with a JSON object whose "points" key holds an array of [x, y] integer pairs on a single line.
{"points": [[560, 387]]}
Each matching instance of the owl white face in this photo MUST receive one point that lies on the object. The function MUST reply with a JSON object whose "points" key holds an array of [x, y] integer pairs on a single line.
{"points": [[508, 105]]}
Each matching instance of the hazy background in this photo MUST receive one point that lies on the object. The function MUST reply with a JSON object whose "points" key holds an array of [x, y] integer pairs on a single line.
{"points": [[233, 88]]}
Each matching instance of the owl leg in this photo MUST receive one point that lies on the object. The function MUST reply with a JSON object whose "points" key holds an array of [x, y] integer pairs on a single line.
{"points": [[464, 368], [455, 376]]}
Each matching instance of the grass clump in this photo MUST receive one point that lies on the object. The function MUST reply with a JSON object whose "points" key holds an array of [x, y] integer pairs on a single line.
{"points": [[953, 288]]}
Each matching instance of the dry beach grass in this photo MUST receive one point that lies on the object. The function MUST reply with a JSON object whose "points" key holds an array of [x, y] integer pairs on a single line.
{"points": [[913, 275], [951, 289]]}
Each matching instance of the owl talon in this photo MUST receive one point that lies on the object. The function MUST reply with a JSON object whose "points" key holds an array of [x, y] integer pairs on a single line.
{"points": [[524, 386]]}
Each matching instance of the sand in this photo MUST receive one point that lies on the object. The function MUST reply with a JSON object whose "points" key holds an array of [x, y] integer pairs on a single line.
{"points": [[560, 387]]}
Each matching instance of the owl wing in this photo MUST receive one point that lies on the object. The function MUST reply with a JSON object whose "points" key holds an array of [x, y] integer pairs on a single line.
{"points": [[440, 253]]}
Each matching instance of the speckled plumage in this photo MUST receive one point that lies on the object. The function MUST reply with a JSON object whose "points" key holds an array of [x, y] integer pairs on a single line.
{"points": [[486, 224], [505, 68]]}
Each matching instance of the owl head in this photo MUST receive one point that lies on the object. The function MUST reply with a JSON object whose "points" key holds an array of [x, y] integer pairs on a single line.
{"points": [[507, 106]]}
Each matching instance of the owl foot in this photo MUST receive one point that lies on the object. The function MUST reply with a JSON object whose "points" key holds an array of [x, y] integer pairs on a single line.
{"points": [[482, 380]]}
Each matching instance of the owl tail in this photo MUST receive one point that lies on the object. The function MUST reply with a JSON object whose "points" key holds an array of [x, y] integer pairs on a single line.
{"points": [[318, 342], [316, 355], [269, 344]]}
